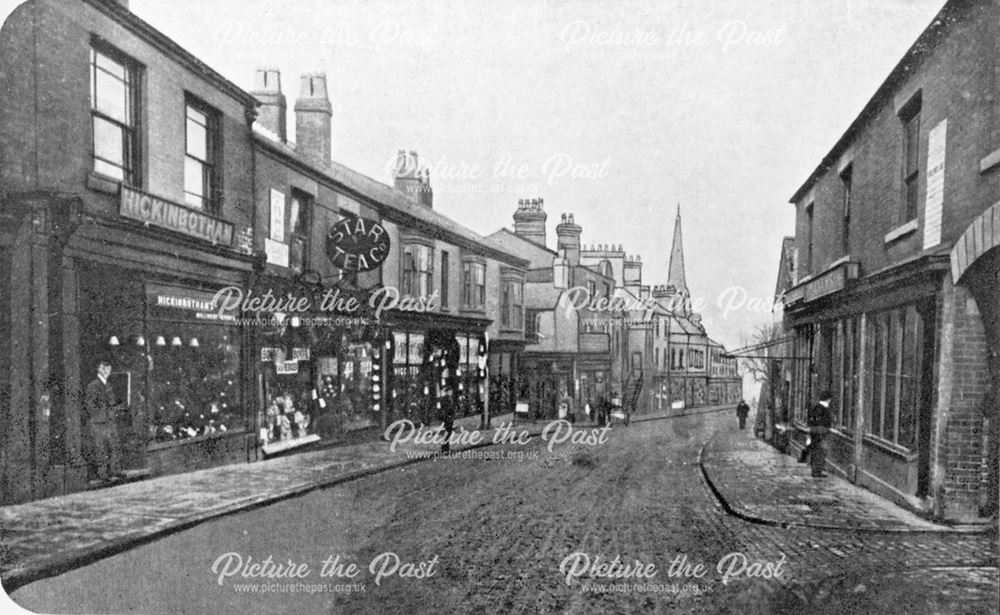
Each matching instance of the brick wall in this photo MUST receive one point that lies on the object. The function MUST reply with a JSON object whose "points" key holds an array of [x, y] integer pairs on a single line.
{"points": [[954, 84], [963, 381], [45, 50]]}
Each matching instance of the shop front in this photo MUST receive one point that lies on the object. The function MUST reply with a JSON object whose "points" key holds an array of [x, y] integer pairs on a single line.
{"points": [[546, 380], [872, 345], [176, 368], [437, 370], [319, 375], [504, 362], [594, 385]]}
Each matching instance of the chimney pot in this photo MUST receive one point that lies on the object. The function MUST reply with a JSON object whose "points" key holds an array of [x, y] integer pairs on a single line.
{"points": [[529, 220]]}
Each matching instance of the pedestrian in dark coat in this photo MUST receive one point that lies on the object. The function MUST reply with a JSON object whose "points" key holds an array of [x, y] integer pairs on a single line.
{"points": [[101, 408], [447, 402], [742, 410], [819, 421]]}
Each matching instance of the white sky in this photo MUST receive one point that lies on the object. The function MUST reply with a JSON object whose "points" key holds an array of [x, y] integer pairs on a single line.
{"points": [[727, 128]]}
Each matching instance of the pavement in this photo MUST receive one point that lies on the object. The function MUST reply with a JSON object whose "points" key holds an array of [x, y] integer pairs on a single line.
{"points": [[756, 482], [47, 537], [501, 526]]}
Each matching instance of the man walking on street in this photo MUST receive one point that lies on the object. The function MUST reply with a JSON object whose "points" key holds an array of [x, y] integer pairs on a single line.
{"points": [[819, 421], [101, 408], [742, 410]]}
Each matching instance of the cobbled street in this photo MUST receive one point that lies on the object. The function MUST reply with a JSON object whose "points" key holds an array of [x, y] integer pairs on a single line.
{"points": [[499, 529]]}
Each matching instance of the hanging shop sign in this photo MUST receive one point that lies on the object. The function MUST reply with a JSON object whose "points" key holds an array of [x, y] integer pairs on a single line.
{"points": [[357, 244], [155, 211]]}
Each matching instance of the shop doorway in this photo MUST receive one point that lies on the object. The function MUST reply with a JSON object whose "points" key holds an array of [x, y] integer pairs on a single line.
{"points": [[925, 398]]}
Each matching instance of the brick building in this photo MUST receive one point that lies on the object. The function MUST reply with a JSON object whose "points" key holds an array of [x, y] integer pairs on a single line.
{"points": [[471, 292], [894, 306], [574, 351], [138, 183], [125, 206]]}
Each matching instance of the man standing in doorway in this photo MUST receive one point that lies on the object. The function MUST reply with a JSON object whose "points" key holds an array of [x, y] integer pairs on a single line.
{"points": [[102, 408], [819, 421]]}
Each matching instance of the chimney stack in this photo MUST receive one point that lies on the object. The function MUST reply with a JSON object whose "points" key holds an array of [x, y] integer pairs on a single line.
{"points": [[560, 271], [312, 118], [273, 109], [411, 180], [529, 220], [568, 239], [426, 193], [632, 274]]}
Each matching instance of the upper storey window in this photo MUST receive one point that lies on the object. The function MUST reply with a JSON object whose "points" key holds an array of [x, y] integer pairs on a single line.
{"points": [[114, 103], [201, 152]]}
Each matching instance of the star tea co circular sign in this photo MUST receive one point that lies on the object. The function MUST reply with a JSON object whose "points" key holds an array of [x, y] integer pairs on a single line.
{"points": [[357, 244]]}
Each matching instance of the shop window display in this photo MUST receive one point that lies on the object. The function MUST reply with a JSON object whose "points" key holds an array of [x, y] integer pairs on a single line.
{"points": [[288, 398], [355, 407], [325, 395], [194, 386], [410, 387]]}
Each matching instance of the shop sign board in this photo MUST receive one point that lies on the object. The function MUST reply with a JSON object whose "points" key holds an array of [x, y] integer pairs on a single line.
{"points": [[154, 211], [179, 302], [286, 367], [268, 354], [824, 284], [357, 244]]}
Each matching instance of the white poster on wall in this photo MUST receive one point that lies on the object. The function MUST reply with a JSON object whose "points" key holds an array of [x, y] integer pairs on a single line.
{"points": [[277, 215], [277, 252], [934, 204]]}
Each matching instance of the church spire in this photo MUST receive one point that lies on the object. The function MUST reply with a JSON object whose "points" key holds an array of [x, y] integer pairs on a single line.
{"points": [[676, 277]]}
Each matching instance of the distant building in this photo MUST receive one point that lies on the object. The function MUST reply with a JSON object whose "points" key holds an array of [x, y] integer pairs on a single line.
{"points": [[773, 402], [573, 350], [689, 368]]}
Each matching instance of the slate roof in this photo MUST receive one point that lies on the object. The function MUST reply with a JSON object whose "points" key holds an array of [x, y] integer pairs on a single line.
{"points": [[392, 201]]}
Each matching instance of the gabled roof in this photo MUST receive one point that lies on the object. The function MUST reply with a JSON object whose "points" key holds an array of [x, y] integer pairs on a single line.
{"points": [[786, 266], [538, 255], [686, 325], [631, 298], [541, 295]]}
